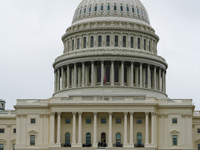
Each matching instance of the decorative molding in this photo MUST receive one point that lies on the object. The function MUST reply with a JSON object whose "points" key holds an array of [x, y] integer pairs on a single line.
{"points": [[146, 113], [8, 125], [58, 113], [47, 115], [52, 113], [166, 115], [18, 115], [183, 115], [41, 115], [24, 115]]}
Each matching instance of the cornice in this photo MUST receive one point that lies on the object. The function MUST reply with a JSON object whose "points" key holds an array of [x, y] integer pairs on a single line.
{"points": [[30, 106], [176, 106]]}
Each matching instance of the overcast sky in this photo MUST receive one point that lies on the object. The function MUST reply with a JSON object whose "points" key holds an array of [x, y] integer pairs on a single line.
{"points": [[30, 40]]}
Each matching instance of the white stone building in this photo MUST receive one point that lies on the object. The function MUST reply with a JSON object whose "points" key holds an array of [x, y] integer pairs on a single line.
{"points": [[110, 90]]}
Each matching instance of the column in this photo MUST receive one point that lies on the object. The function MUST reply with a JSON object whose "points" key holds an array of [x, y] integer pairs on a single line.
{"points": [[80, 129], [74, 130], [183, 137], [58, 80], [18, 125], [152, 127], [163, 83], [79, 76], [136, 77], [92, 73], [55, 80], [58, 128], [159, 79], [52, 128], [68, 76], [8, 137], [74, 75], [166, 129], [102, 72], [132, 74], [154, 77], [46, 130], [83, 74], [140, 74], [146, 128], [24, 130], [41, 129], [95, 130], [125, 128], [131, 128], [112, 73], [135, 41], [189, 127], [110, 130], [149, 76], [122, 73], [63, 79]]}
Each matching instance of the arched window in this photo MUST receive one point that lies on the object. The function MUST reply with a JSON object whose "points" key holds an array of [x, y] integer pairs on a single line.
{"points": [[149, 46], [88, 138], [70, 77], [125, 74], [121, 8], [103, 139], [107, 74], [78, 43], [76, 76], [144, 44], [90, 75], [67, 138], [108, 40], [90, 9], [138, 11], [116, 41], [138, 43], [99, 41], [146, 77], [108, 7], [118, 138], [139, 138], [98, 74], [92, 42], [80, 11], [133, 10], [115, 7], [127, 9], [131, 42], [124, 41], [95, 9], [84, 42], [72, 45], [101, 7], [84, 10], [116, 74], [151, 78]]}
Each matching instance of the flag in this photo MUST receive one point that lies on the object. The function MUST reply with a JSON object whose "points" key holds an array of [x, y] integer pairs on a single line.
{"points": [[104, 79]]}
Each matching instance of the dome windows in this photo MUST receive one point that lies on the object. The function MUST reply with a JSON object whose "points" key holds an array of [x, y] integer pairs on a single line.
{"points": [[108, 7], [124, 41], [138, 11], [95, 8], [121, 8], [115, 7], [141, 12], [92, 41], [100, 41], [127, 9], [131, 42], [138, 43], [144, 44], [80, 11], [102, 7], [133, 10], [84, 10], [108, 40], [116, 41], [84, 42], [78, 43], [90, 9]]}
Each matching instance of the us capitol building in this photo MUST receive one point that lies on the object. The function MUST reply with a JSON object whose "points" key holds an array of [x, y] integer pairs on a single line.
{"points": [[110, 90]]}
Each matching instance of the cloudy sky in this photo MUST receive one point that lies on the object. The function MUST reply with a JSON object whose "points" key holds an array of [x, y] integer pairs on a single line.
{"points": [[30, 40]]}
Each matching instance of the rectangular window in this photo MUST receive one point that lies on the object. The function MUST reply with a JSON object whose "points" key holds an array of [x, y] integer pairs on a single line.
{"points": [[198, 146], [67, 121], [14, 130], [1, 146], [174, 120], [174, 140], [1, 130], [118, 120], [33, 120], [103, 120], [32, 140], [139, 121], [13, 146], [198, 130], [88, 120]]}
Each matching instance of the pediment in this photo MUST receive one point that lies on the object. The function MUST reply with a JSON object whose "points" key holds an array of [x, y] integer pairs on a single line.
{"points": [[33, 131], [174, 132]]}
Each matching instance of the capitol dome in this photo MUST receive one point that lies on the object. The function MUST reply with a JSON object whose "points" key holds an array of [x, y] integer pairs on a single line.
{"points": [[110, 50], [104, 10]]}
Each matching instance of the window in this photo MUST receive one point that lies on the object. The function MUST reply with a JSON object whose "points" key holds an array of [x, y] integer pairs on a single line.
{"points": [[198, 146], [139, 138], [101, 7], [14, 130], [115, 7], [149, 45], [90, 9], [78, 43], [118, 120], [13, 146], [84, 42], [77, 76], [116, 41], [32, 140], [198, 130], [88, 138], [118, 138], [131, 42], [174, 140], [88, 120], [33, 120], [138, 43], [72, 44], [99, 74], [1, 146], [144, 44], [174, 120], [121, 8], [95, 9], [108, 40], [124, 41], [1, 130], [146, 77], [125, 74], [139, 121], [67, 121], [99, 41], [116, 74], [92, 42], [138, 11], [141, 12], [80, 11], [108, 7], [127, 9], [67, 139], [107, 74], [133, 10], [90, 77], [84, 10], [103, 120]]}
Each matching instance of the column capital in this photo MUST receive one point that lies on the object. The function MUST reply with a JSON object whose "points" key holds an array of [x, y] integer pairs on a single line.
{"points": [[74, 113], [52, 113], [80, 113], [110, 113], [112, 61], [131, 113], [41, 115], [166, 115], [160, 115], [47, 115], [24, 115], [18, 115], [132, 62], [146, 113], [183, 115], [125, 113], [102, 61], [58, 113], [8, 125], [95, 113], [189, 115], [83, 63], [153, 113]]}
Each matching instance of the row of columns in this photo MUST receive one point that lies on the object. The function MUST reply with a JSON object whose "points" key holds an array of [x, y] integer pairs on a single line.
{"points": [[157, 82], [110, 142], [138, 42]]}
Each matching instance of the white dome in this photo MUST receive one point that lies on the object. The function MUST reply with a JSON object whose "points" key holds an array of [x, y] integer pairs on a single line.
{"points": [[108, 10]]}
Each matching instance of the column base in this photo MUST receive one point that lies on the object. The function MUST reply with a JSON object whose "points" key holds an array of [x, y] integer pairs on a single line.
{"points": [[152, 145], [131, 145], [94, 144], [76, 145], [53, 145], [110, 144], [126, 145]]}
